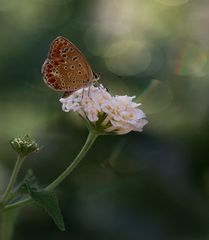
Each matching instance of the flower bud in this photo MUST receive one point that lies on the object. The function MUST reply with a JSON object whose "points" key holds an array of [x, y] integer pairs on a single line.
{"points": [[24, 145]]}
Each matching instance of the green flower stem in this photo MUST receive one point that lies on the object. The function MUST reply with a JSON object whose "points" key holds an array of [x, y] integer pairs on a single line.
{"points": [[12, 180], [7, 223], [90, 140]]}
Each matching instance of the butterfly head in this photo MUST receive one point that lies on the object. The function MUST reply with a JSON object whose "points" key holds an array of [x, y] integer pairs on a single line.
{"points": [[96, 77]]}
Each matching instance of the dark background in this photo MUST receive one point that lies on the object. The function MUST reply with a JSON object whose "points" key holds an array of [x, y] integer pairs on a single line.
{"points": [[151, 185]]}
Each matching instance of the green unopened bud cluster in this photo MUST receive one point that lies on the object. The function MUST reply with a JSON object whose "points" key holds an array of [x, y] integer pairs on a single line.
{"points": [[24, 145]]}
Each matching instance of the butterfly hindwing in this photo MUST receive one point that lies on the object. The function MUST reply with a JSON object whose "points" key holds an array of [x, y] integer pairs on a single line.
{"points": [[66, 68]]}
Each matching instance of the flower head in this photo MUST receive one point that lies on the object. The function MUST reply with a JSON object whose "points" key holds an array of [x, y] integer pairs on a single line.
{"points": [[106, 113]]}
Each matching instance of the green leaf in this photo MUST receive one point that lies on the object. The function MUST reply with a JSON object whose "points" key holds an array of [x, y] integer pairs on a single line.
{"points": [[48, 201], [45, 199], [30, 180]]}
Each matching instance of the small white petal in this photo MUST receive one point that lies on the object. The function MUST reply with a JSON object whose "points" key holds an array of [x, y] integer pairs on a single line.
{"points": [[124, 131]]}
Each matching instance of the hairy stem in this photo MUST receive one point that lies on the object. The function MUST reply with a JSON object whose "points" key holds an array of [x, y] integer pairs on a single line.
{"points": [[7, 193], [90, 140], [7, 223]]}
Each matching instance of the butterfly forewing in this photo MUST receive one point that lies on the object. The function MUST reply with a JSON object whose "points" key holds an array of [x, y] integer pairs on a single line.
{"points": [[66, 68]]}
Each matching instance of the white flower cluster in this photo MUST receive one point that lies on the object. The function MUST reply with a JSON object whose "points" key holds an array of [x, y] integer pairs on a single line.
{"points": [[119, 114]]}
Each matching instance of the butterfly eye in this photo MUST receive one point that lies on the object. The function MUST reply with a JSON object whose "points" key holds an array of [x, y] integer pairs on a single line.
{"points": [[96, 76]]}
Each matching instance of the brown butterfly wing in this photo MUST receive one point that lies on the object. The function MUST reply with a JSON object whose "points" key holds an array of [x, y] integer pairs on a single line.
{"points": [[66, 68]]}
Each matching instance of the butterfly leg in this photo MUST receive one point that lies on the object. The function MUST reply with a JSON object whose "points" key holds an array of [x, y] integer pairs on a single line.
{"points": [[83, 93], [89, 90], [107, 89], [97, 84]]}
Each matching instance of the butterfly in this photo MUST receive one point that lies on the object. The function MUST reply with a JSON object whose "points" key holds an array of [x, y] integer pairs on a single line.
{"points": [[66, 68]]}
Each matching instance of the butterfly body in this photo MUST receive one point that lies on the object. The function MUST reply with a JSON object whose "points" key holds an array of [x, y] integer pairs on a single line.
{"points": [[66, 68]]}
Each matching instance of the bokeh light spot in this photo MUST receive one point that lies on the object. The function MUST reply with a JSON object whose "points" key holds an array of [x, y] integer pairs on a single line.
{"points": [[127, 57], [173, 3], [98, 39], [33, 15], [157, 97], [191, 60]]}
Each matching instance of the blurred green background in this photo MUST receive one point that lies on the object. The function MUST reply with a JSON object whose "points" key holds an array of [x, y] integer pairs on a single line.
{"points": [[146, 186]]}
